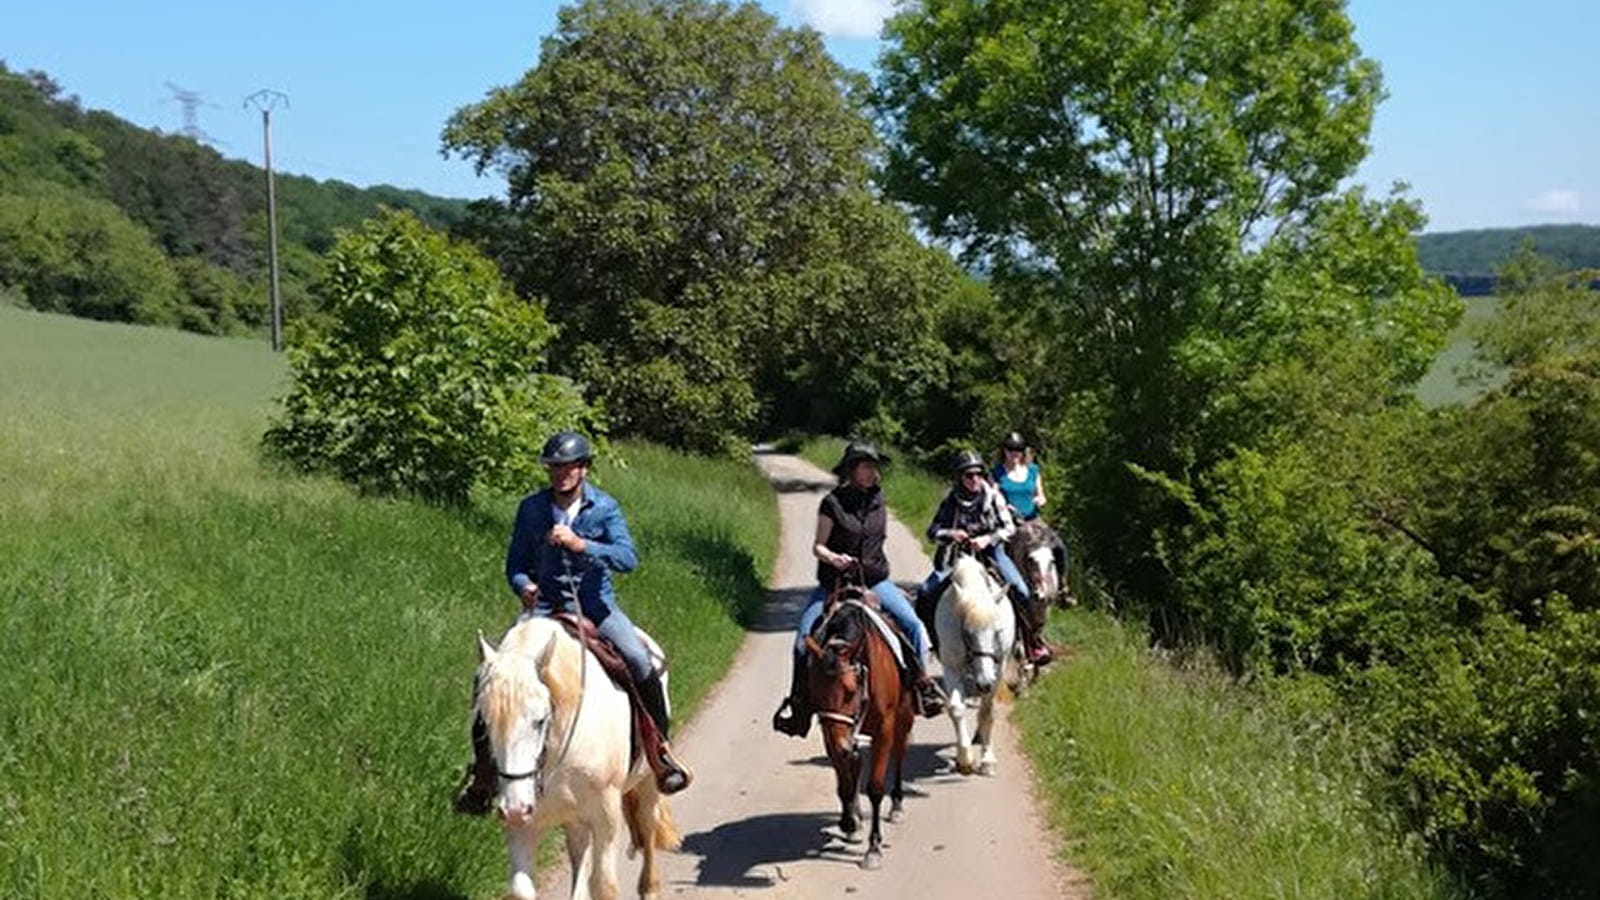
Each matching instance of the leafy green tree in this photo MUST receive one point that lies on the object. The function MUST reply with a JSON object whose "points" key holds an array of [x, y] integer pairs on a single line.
{"points": [[1152, 184], [427, 377], [689, 187], [64, 251]]}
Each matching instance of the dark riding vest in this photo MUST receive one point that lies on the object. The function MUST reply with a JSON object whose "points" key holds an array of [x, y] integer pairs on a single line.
{"points": [[860, 521]]}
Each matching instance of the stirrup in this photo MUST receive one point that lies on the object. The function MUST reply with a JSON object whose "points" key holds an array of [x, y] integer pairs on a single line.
{"points": [[930, 699], [794, 724], [674, 776]]}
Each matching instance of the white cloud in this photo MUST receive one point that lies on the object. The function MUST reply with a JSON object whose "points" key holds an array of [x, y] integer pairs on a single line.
{"points": [[844, 18], [1556, 202]]}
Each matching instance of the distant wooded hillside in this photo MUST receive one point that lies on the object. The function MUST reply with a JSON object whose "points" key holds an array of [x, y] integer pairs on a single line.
{"points": [[102, 218], [1480, 253]]}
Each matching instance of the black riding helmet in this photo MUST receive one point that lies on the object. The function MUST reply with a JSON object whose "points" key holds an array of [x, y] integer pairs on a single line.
{"points": [[856, 451], [1013, 441], [966, 459], [565, 447]]}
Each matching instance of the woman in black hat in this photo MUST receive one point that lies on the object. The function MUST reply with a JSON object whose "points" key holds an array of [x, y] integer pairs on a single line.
{"points": [[852, 523]]}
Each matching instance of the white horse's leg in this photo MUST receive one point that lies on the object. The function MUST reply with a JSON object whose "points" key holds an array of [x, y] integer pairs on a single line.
{"points": [[522, 844], [605, 844], [640, 808], [986, 725], [957, 707], [579, 858]]}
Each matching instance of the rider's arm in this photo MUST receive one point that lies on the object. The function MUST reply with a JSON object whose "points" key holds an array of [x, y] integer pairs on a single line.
{"points": [[940, 530], [527, 535], [819, 548], [614, 548], [1038, 487]]}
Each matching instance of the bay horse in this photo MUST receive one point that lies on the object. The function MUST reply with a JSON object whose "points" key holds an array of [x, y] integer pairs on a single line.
{"points": [[1033, 549], [854, 683], [560, 732], [978, 652]]}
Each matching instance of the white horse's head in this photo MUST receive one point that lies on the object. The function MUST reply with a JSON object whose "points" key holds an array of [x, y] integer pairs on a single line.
{"points": [[978, 606], [517, 701]]}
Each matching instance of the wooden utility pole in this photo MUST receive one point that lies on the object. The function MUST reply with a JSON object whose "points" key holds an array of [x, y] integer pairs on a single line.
{"points": [[266, 101]]}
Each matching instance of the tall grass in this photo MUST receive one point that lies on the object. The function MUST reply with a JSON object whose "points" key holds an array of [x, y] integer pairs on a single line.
{"points": [[217, 680], [1183, 784]]}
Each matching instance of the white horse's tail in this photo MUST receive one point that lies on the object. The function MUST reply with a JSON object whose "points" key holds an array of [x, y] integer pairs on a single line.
{"points": [[650, 822]]}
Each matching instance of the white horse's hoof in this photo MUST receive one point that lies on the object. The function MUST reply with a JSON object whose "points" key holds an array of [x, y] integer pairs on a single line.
{"points": [[895, 815], [873, 860], [986, 767]]}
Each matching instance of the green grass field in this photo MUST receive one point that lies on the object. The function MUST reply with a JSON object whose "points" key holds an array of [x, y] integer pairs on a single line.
{"points": [[218, 680], [1442, 384]]}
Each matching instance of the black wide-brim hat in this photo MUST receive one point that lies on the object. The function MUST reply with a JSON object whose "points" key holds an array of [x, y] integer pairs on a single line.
{"points": [[856, 451]]}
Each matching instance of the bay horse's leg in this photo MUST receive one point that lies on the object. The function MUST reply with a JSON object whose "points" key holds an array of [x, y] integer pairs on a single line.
{"points": [[897, 756], [522, 844], [887, 703], [846, 764]]}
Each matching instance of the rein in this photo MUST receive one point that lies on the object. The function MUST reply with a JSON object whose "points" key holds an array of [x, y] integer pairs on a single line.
{"points": [[856, 717]]}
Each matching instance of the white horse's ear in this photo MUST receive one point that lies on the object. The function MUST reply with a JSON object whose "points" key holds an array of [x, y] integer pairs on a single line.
{"points": [[547, 652], [486, 653]]}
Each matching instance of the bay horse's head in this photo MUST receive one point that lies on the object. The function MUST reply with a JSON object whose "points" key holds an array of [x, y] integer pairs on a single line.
{"points": [[519, 693], [837, 669], [1034, 554]]}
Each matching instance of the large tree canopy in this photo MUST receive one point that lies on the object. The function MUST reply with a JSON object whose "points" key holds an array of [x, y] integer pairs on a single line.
{"points": [[1154, 182], [689, 188]]}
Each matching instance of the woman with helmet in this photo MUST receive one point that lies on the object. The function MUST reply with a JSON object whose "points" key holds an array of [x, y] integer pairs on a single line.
{"points": [[567, 540], [852, 523], [1022, 484], [973, 516]]}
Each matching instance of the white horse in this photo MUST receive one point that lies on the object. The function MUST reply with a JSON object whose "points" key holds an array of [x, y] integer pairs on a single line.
{"points": [[978, 651], [561, 735]]}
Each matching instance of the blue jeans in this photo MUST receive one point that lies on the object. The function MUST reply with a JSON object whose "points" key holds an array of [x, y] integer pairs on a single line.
{"points": [[934, 585], [613, 625], [890, 599]]}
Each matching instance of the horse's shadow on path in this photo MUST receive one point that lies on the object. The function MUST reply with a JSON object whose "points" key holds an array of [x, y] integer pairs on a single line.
{"points": [[751, 852]]}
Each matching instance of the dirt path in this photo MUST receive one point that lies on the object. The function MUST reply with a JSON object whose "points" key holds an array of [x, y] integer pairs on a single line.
{"points": [[759, 818]]}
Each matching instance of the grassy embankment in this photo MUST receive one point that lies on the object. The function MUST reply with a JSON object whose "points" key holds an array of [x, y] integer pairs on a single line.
{"points": [[1179, 783], [1442, 384], [219, 680]]}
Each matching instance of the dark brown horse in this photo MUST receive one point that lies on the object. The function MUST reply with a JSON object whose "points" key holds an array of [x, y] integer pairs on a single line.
{"points": [[855, 687]]}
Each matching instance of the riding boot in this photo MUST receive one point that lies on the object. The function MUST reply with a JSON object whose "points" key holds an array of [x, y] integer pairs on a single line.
{"points": [[927, 693], [476, 795], [672, 777], [926, 604], [797, 722]]}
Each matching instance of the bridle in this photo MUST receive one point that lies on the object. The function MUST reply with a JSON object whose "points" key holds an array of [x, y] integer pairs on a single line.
{"points": [[857, 715]]}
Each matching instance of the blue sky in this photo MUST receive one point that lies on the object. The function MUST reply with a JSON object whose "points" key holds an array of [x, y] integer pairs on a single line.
{"points": [[1493, 115]]}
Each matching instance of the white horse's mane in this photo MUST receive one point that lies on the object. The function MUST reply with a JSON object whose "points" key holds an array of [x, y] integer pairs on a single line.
{"points": [[973, 598], [521, 674]]}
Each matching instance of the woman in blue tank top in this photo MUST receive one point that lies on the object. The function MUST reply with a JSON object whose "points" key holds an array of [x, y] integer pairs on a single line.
{"points": [[1018, 479]]}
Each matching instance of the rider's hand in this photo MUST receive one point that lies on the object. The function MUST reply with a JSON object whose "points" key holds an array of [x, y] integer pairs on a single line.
{"points": [[530, 595], [842, 561], [563, 536], [960, 536], [981, 542]]}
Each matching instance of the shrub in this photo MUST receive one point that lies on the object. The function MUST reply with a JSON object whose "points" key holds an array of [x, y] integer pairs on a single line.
{"points": [[427, 377]]}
